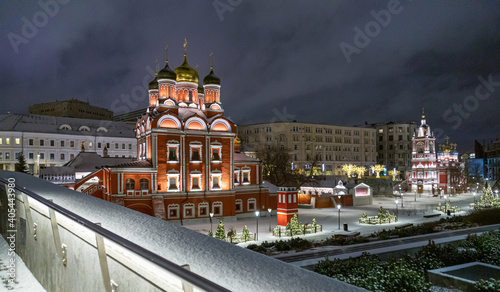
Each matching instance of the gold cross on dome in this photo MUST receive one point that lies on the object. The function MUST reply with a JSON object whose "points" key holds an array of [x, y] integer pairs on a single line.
{"points": [[185, 44]]}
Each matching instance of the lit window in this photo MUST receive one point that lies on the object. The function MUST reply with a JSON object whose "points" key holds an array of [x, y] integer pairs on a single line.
{"points": [[172, 151], [236, 177], [216, 181], [7, 141], [1, 141], [245, 175], [18, 141], [173, 181], [173, 211], [189, 210], [216, 152]]}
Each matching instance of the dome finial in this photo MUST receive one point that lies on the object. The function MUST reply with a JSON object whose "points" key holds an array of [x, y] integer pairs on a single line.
{"points": [[211, 60], [423, 113], [166, 53], [185, 45]]}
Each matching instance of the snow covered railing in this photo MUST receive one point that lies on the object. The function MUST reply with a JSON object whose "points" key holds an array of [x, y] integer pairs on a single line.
{"points": [[142, 253], [75, 254]]}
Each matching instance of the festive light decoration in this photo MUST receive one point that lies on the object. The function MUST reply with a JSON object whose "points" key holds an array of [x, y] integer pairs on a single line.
{"points": [[393, 173], [378, 168], [360, 170], [348, 169]]}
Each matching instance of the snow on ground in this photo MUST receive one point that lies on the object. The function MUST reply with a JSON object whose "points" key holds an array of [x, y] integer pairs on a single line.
{"points": [[230, 266], [411, 212], [24, 282]]}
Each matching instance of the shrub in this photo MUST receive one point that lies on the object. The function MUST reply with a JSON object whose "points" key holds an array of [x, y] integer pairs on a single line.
{"points": [[300, 244], [257, 248], [490, 285], [282, 246]]}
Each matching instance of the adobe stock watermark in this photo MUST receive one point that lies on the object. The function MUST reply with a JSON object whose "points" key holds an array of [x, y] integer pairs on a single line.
{"points": [[11, 232], [372, 29], [282, 116], [137, 95], [462, 111], [39, 19], [223, 6]]}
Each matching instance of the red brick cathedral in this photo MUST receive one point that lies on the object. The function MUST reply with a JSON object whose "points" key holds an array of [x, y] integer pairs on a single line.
{"points": [[189, 164]]}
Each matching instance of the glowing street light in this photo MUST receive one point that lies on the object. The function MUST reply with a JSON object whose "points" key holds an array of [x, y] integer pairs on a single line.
{"points": [[397, 212], [338, 207], [257, 213], [211, 230], [269, 212]]}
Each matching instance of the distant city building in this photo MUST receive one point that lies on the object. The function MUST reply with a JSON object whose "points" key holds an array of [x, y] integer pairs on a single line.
{"points": [[423, 176], [394, 145], [492, 161], [71, 108], [189, 165], [130, 117], [328, 145], [53, 141]]}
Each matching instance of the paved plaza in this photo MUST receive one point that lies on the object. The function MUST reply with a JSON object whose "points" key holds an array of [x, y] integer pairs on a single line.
{"points": [[412, 210]]}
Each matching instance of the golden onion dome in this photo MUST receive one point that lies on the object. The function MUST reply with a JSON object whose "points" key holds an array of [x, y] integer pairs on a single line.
{"points": [[185, 73]]}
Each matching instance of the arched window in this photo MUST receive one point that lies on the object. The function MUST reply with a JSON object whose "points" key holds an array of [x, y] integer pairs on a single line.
{"points": [[144, 184], [420, 147], [129, 184]]}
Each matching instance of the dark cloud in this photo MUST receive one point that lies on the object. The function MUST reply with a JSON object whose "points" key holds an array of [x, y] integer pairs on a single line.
{"points": [[269, 55]]}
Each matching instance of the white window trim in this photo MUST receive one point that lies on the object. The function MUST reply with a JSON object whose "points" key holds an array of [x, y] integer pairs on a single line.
{"points": [[199, 145], [176, 175], [239, 202], [217, 204], [173, 207], [197, 174], [203, 205], [243, 171], [218, 146], [173, 144], [216, 174], [186, 207], [249, 201], [237, 173]]}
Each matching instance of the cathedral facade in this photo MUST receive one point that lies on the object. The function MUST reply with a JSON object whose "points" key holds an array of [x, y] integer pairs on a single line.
{"points": [[189, 166]]}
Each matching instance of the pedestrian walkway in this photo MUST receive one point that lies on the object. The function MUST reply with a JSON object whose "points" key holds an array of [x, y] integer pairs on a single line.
{"points": [[411, 209]]}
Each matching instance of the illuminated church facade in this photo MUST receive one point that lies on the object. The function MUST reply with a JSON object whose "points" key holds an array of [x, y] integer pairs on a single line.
{"points": [[423, 176], [189, 166]]}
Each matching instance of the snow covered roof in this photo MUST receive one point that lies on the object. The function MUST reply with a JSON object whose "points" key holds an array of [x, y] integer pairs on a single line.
{"points": [[233, 267], [91, 161], [65, 126], [241, 157], [272, 188]]}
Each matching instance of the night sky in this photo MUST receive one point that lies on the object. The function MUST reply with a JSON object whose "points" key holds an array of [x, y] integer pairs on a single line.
{"points": [[337, 62]]}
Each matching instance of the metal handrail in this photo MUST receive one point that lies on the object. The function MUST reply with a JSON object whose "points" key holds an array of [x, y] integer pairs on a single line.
{"points": [[171, 267]]}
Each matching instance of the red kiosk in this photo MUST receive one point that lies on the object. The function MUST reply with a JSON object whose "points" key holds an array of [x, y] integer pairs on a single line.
{"points": [[288, 204]]}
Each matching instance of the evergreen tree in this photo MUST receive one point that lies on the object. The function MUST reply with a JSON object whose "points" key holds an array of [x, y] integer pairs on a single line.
{"points": [[21, 165], [246, 234], [489, 199], [210, 233], [220, 233]]}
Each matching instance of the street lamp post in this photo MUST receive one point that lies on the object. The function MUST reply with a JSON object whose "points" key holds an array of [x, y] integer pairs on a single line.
{"points": [[496, 192], [402, 205], [474, 194], [338, 207], [211, 230], [257, 213], [397, 212], [269, 212], [445, 209]]}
